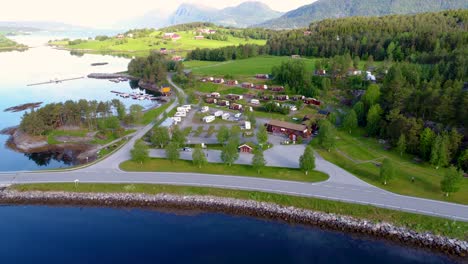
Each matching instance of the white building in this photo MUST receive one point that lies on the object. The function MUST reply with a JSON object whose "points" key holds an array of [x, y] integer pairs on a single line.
{"points": [[255, 101], [205, 109], [209, 119], [226, 116]]}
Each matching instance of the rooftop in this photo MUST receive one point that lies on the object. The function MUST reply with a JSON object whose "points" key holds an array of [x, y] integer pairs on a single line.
{"points": [[287, 125]]}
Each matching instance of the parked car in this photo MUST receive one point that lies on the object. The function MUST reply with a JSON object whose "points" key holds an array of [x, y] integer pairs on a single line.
{"points": [[187, 149]]}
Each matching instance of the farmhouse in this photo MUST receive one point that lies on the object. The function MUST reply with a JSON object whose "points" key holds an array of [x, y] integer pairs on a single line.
{"points": [[262, 76], [235, 107], [245, 148], [261, 87], [199, 37], [223, 103], [211, 100], [289, 129], [247, 85], [234, 97], [232, 82], [277, 89], [218, 81], [282, 97], [312, 101]]}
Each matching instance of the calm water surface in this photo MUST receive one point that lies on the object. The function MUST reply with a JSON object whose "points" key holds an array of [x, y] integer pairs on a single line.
{"points": [[40, 234], [41, 64]]}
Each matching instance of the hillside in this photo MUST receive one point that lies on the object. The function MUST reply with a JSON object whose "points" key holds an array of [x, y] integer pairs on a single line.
{"points": [[243, 15], [323, 9], [7, 44]]}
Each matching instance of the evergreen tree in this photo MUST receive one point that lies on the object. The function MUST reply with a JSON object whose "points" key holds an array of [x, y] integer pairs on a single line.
{"points": [[160, 137], [136, 113], [387, 171], [451, 181], [258, 160], [350, 122], [360, 113], [463, 160], [140, 152], [372, 95], [307, 160], [198, 157], [172, 151], [401, 145], [440, 152]]}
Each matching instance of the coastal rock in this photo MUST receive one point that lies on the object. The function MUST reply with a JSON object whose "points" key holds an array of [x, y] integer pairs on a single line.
{"points": [[26, 143], [243, 207]]}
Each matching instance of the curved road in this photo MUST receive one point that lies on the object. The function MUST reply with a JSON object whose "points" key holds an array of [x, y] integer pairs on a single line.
{"points": [[341, 186]]}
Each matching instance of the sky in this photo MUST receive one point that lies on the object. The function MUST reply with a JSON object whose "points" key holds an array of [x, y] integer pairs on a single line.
{"points": [[105, 13]]}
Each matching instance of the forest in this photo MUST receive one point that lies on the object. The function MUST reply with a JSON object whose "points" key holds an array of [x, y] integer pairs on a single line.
{"points": [[228, 53], [93, 115]]}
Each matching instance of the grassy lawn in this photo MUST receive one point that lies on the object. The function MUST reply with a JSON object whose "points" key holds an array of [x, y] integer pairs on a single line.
{"points": [[64, 133], [150, 116], [420, 223], [358, 155], [155, 42], [164, 165], [241, 68]]}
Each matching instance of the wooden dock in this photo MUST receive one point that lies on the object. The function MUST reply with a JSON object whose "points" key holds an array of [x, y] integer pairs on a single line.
{"points": [[56, 81]]}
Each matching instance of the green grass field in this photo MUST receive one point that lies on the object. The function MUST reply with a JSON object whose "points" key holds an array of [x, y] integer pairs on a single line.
{"points": [[420, 223], [150, 116], [164, 165], [155, 42], [358, 155], [69, 133], [242, 68]]}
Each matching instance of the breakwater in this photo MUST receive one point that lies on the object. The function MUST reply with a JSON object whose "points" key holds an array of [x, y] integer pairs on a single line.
{"points": [[244, 207]]}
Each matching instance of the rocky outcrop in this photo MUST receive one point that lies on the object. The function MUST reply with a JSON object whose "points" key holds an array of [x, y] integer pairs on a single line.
{"points": [[26, 143], [148, 86], [244, 207]]}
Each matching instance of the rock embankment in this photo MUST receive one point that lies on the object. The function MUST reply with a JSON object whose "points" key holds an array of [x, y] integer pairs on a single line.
{"points": [[244, 207], [111, 76], [26, 143]]}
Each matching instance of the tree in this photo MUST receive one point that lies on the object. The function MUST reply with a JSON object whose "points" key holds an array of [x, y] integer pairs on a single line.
{"points": [[223, 134], [172, 151], [258, 160], [426, 141], [387, 171], [136, 113], [160, 137], [360, 113], [262, 135], [235, 133], [327, 134], [372, 95], [463, 160], [455, 140], [439, 152], [350, 122], [401, 145], [307, 160], [178, 136], [373, 120], [451, 181], [198, 157], [140, 152], [229, 153]]}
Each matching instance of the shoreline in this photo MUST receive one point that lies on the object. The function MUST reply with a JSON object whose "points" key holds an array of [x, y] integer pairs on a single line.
{"points": [[291, 215]]}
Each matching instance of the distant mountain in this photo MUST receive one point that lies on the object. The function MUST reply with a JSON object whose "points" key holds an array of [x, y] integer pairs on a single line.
{"points": [[152, 19], [323, 9], [243, 15]]}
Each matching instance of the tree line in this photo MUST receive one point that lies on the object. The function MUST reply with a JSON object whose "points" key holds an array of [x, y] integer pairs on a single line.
{"points": [[228, 53]]}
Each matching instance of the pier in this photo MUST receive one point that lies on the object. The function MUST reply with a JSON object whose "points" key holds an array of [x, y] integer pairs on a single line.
{"points": [[56, 81]]}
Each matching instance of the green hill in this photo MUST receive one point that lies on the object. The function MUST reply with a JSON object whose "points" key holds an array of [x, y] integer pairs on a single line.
{"points": [[7, 44], [323, 9]]}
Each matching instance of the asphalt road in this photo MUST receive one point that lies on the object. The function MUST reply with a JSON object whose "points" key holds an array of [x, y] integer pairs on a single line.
{"points": [[341, 186]]}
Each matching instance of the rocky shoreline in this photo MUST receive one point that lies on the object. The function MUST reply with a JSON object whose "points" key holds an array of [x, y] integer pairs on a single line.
{"points": [[386, 231]]}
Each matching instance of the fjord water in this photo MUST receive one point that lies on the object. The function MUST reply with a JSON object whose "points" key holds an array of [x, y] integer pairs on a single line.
{"points": [[41, 64], [40, 234]]}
